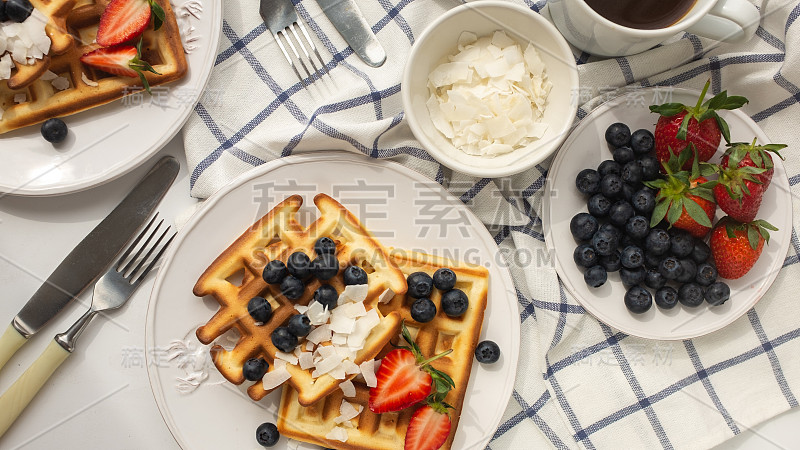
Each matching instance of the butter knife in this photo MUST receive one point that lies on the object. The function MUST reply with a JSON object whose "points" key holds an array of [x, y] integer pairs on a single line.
{"points": [[90, 258], [348, 20]]}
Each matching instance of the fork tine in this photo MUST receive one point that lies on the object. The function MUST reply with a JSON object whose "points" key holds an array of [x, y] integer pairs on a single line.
{"points": [[288, 58], [296, 53], [293, 29], [156, 258], [313, 47], [145, 258], [135, 241], [135, 257]]}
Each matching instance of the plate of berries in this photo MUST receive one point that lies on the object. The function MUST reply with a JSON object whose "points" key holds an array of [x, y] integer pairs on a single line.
{"points": [[673, 220]]}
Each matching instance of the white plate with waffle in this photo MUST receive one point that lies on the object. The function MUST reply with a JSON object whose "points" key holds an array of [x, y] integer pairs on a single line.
{"points": [[107, 141], [401, 208]]}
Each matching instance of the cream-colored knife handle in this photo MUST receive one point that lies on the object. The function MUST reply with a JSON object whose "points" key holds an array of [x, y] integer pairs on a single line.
{"points": [[17, 397], [9, 344]]}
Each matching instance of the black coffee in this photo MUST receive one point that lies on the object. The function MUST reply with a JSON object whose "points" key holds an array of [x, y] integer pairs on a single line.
{"points": [[642, 14]]}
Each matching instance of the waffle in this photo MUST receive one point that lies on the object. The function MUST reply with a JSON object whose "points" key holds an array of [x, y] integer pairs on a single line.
{"points": [[388, 430], [162, 49], [276, 236]]}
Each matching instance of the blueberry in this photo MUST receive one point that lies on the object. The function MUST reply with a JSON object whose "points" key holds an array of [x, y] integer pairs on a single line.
{"points": [[688, 271], [420, 284], [612, 262], [292, 287], [627, 240], [284, 340], [299, 325], [487, 352], [681, 243], [671, 268], [632, 257], [638, 227], [588, 181], [259, 309], [691, 295], [628, 190], [604, 243], [54, 130], [299, 265], [611, 185], [3, 16], [267, 434], [324, 245], [643, 201], [717, 294], [354, 275], [611, 229], [701, 251], [423, 310], [444, 279], [254, 369], [609, 166], [632, 277], [666, 297], [654, 280], [598, 205], [706, 274], [623, 155], [638, 300], [325, 266], [595, 276], [642, 141], [631, 172], [657, 241], [620, 213], [618, 134], [651, 260], [650, 167], [583, 226], [585, 255], [455, 302], [18, 10], [327, 296], [275, 271]]}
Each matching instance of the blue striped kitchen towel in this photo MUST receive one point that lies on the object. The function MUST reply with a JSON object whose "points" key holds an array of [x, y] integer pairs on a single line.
{"points": [[580, 383]]}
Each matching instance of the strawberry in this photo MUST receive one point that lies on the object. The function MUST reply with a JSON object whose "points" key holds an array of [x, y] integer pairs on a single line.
{"points": [[739, 193], [681, 125], [742, 154], [684, 198], [429, 427], [123, 60], [736, 246], [125, 20], [406, 378]]}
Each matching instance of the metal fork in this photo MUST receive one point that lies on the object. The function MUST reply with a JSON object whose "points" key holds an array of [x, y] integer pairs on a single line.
{"points": [[281, 20], [111, 291]]}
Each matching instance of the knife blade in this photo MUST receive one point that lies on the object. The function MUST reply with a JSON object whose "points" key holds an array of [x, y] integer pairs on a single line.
{"points": [[348, 20], [90, 258]]}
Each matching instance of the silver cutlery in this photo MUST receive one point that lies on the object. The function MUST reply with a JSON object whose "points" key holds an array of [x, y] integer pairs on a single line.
{"points": [[350, 22], [90, 257], [111, 291]]}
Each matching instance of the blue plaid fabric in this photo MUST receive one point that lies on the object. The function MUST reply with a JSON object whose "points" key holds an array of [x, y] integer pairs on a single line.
{"points": [[580, 383]]}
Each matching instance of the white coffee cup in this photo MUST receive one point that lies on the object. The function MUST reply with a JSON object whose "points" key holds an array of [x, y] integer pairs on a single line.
{"points": [[583, 27]]}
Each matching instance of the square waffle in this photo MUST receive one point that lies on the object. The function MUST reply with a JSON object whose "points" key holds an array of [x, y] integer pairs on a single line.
{"points": [[162, 49], [387, 431], [276, 236]]}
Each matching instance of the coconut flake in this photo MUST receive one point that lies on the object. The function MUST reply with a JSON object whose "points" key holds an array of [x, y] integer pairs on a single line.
{"points": [[362, 328], [386, 296], [60, 83], [352, 310], [368, 372], [347, 411], [353, 293], [320, 334], [317, 313], [20, 98], [276, 377], [348, 388], [288, 357], [306, 360], [340, 323], [302, 309], [337, 434]]}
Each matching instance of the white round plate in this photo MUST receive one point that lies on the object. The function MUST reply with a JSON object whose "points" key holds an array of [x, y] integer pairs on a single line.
{"points": [[586, 148], [108, 141], [401, 207]]}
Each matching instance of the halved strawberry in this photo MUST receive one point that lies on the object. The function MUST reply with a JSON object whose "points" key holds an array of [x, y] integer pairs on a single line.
{"points": [[429, 427], [125, 20], [406, 378], [123, 60]]}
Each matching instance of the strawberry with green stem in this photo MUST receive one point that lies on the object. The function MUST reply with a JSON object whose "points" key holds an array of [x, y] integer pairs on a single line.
{"points": [[125, 20], [429, 426], [684, 198], [123, 60], [738, 192], [741, 154], [701, 125], [736, 246]]}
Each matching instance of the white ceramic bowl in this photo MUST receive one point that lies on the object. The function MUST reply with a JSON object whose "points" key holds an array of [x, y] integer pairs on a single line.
{"points": [[440, 39]]}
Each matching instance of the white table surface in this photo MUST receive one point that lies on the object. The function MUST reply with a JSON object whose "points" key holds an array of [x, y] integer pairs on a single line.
{"points": [[100, 398]]}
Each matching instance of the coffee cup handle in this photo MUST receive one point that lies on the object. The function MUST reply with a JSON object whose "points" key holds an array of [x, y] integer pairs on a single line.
{"points": [[729, 21]]}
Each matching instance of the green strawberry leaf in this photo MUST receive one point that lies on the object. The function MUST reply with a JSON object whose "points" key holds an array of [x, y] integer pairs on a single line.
{"points": [[733, 102], [708, 114], [707, 169], [724, 129], [753, 236], [675, 211], [668, 109], [659, 212], [684, 128], [158, 14], [717, 101], [757, 158], [696, 212]]}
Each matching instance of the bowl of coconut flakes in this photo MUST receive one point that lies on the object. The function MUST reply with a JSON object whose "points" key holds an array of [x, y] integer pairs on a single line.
{"points": [[489, 89]]}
